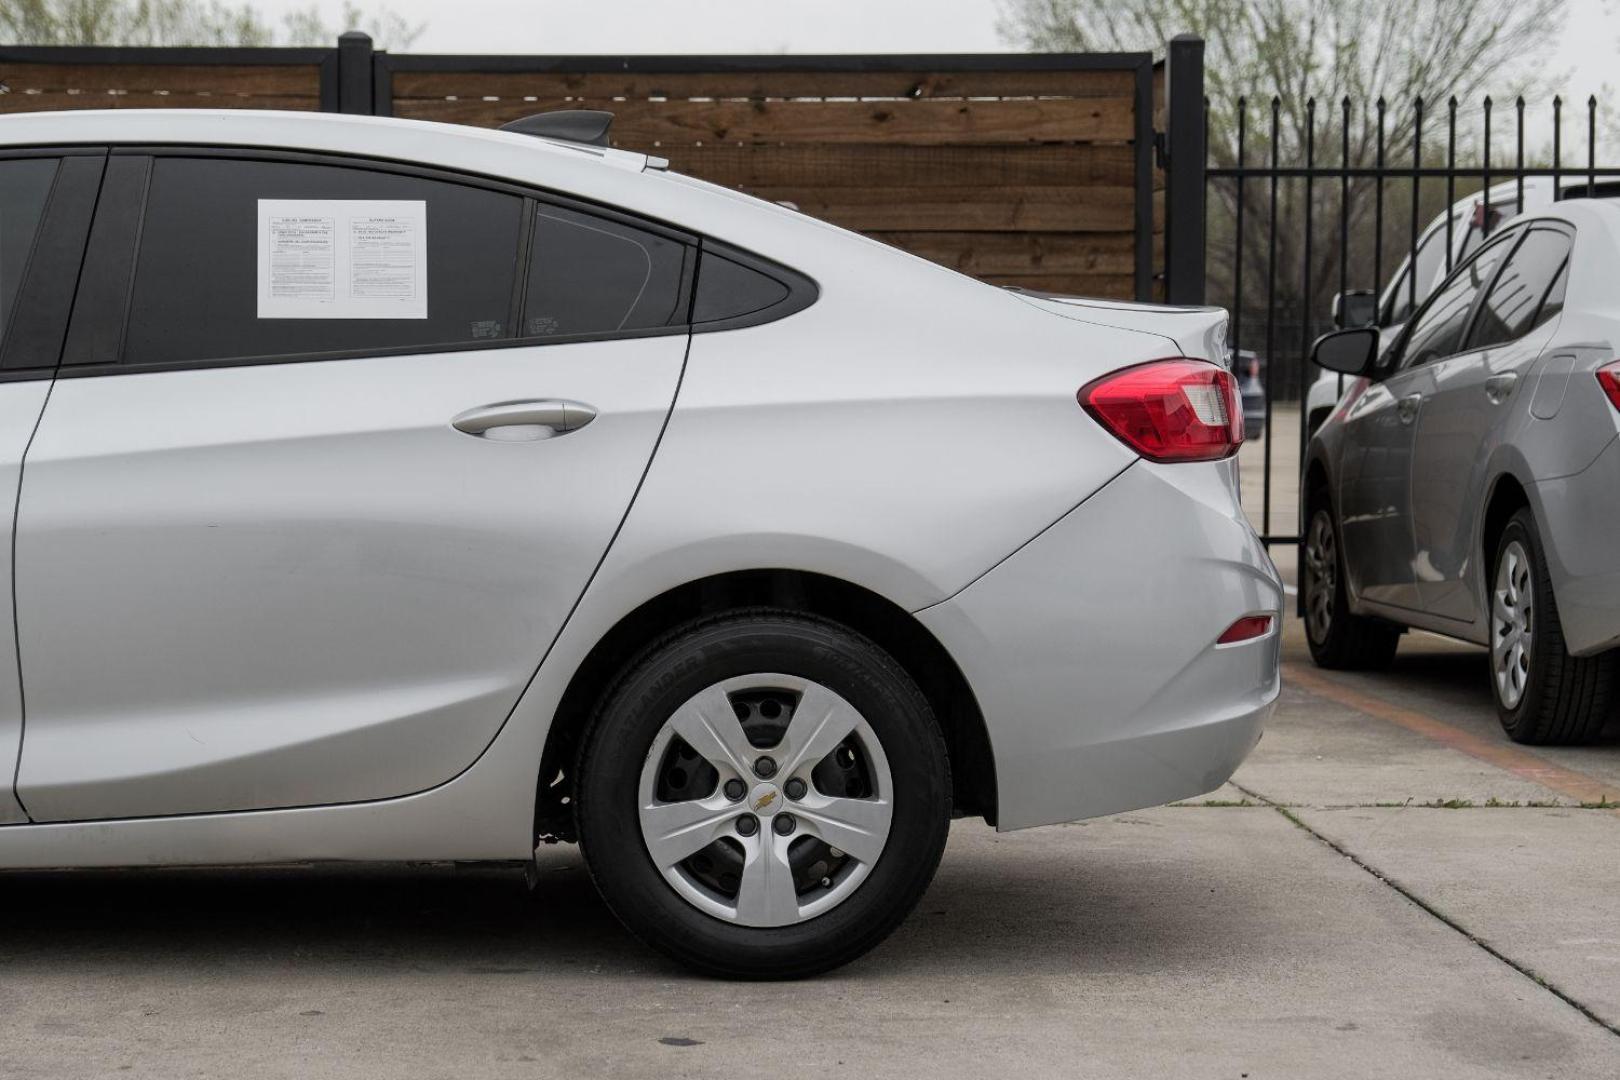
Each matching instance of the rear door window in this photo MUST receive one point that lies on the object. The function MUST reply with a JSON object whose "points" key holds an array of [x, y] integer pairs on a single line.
{"points": [[197, 283], [25, 185], [1516, 300]]}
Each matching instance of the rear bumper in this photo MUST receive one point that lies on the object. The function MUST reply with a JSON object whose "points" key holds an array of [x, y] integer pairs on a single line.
{"points": [[1579, 517], [1092, 648]]}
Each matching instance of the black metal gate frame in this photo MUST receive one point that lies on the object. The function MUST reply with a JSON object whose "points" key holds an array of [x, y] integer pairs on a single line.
{"points": [[1382, 171]]}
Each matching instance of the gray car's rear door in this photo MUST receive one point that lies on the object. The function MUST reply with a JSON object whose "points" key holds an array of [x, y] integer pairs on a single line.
{"points": [[1472, 399]]}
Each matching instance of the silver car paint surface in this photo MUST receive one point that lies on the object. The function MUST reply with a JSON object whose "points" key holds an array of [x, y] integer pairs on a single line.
{"points": [[296, 582], [20, 405], [913, 432], [1418, 491], [1136, 583]]}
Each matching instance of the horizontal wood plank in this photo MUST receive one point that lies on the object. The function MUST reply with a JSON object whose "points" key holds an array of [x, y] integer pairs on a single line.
{"points": [[982, 254], [1055, 209], [14, 103], [632, 86], [261, 80], [650, 125], [850, 164]]}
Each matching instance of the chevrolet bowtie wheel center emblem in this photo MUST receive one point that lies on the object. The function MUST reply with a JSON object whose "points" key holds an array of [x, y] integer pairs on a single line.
{"points": [[765, 799]]}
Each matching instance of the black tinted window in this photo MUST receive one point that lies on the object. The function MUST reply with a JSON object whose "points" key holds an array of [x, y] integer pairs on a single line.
{"points": [[197, 277], [1554, 303], [24, 186], [1514, 301], [1438, 328], [728, 290], [589, 275]]}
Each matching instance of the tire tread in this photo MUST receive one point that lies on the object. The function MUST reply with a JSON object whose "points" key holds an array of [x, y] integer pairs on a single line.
{"points": [[1570, 699]]}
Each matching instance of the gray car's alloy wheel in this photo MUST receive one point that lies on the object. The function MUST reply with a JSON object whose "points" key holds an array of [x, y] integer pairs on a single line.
{"points": [[1338, 638], [1512, 625], [1321, 576], [763, 794], [1543, 694]]}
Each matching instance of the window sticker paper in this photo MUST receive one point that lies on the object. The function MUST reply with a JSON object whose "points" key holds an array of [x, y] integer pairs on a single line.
{"points": [[342, 259]]}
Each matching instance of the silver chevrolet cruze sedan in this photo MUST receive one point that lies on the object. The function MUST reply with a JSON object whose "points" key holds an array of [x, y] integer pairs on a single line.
{"points": [[380, 490], [1469, 483]]}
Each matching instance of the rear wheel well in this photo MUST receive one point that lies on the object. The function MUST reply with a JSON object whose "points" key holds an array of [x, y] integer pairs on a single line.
{"points": [[1314, 492], [1315, 487], [1507, 498], [892, 628]]}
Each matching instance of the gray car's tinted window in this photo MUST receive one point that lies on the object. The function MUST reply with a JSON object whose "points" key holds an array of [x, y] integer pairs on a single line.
{"points": [[1438, 328], [1554, 303], [1512, 307], [589, 275], [195, 291], [24, 187]]}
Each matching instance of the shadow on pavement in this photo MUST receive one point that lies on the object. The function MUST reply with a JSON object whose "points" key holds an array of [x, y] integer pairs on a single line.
{"points": [[1105, 915]]}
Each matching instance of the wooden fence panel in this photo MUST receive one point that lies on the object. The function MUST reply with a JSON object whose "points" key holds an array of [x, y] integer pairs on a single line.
{"points": [[33, 86], [1019, 170], [1015, 175]]}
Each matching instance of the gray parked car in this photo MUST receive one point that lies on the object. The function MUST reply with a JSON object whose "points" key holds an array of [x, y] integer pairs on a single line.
{"points": [[1469, 482]]}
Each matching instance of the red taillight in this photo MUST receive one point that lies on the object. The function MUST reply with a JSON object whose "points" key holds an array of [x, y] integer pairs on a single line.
{"points": [[1609, 379], [1170, 410], [1245, 629]]}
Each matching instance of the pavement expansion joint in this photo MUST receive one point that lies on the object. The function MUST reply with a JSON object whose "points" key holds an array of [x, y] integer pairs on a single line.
{"points": [[1434, 912]]}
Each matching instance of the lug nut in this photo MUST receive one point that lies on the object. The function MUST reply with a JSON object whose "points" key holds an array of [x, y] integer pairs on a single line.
{"points": [[795, 788], [747, 825], [783, 824], [765, 768], [735, 790]]}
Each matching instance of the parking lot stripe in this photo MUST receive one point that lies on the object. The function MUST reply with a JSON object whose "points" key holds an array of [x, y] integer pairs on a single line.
{"points": [[1521, 763]]}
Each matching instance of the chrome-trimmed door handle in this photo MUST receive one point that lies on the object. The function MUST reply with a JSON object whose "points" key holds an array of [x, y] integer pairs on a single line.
{"points": [[1498, 388], [1407, 407], [518, 421]]}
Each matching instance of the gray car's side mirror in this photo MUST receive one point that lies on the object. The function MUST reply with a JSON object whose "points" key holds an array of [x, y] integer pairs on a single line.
{"points": [[1349, 352], [1358, 307]]}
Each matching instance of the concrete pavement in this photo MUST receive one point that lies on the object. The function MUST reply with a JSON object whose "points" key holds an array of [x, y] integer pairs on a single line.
{"points": [[1336, 926]]}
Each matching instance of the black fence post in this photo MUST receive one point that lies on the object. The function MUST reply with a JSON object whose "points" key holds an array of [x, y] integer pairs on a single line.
{"points": [[354, 83], [1184, 180]]}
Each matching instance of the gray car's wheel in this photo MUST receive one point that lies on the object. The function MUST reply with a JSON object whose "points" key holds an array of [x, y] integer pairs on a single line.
{"points": [[1338, 638], [763, 795], [1543, 694]]}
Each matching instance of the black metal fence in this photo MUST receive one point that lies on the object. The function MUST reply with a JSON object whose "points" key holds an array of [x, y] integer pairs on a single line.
{"points": [[1303, 203]]}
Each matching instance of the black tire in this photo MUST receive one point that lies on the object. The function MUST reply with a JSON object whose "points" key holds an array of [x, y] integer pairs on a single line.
{"points": [[695, 657], [1338, 638], [1564, 699]]}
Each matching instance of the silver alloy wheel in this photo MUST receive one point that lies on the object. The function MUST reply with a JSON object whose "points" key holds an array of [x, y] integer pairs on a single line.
{"points": [[1512, 623], [1321, 576], [770, 890]]}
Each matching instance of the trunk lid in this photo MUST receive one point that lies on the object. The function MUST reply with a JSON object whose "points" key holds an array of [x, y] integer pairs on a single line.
{"points": [[1197, 332]]}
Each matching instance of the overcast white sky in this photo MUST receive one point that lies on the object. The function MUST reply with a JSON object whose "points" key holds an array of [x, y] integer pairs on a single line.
{"points": [[1586, 52]]}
